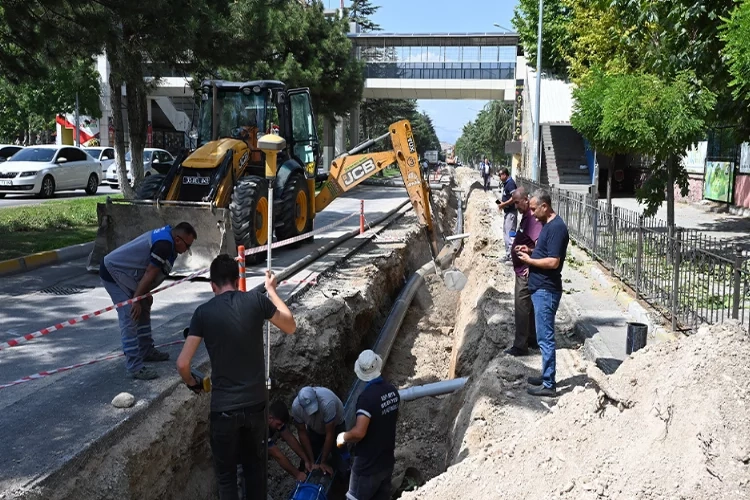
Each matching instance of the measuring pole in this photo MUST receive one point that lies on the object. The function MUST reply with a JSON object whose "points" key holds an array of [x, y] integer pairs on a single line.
{"points": [[270, 144]]}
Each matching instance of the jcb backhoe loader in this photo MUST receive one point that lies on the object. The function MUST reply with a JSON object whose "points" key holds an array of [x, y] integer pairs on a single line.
{"points": [[220, 187]]}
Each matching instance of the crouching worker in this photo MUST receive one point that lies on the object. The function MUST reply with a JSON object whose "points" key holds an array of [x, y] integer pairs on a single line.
{"points": [[319, 416], [278, 420], [231, 324], [374, 432]]}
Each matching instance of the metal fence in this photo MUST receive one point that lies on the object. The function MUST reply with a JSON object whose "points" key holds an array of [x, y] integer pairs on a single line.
{"points": [[689, 277]]}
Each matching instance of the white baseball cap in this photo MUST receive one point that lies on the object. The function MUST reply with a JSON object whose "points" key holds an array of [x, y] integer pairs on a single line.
{"points": [[368, 366]]}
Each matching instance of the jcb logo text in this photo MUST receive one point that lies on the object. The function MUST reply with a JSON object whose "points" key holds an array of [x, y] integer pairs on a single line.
{"points": [[359, 172]]}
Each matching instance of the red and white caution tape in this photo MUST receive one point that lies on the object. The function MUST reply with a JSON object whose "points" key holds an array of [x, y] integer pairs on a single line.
{"points": [[59, 326], [47, 373], [301, 237]]}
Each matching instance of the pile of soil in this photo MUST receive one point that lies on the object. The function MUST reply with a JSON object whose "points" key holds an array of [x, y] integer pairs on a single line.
{"points": [[672, 422]]}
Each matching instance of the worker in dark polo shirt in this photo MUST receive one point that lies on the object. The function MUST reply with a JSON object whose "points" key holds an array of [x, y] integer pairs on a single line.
{"points": [[374, 432], [508, 206], [545, 263], [527, 235], [231, 324]]}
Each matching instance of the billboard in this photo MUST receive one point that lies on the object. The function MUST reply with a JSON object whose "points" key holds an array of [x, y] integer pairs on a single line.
{"points": [[719, 181]]}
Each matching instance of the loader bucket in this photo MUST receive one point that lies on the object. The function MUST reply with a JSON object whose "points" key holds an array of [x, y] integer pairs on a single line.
{"points": [[120, 221]]}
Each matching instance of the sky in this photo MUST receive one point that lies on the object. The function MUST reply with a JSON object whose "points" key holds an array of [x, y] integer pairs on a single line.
{"points": [[443, 16]]}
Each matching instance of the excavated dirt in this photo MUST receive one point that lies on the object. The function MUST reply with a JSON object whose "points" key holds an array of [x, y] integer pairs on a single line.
{"points": [[671, 423]]}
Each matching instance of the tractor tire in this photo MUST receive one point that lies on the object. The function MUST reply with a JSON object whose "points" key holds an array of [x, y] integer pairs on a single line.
{"points": [[294, 216], [149, 187], [249, 213]]}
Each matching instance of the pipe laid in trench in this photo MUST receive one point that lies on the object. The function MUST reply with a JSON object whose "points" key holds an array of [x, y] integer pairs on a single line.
{"points": [[434, 389], [385, 341]]}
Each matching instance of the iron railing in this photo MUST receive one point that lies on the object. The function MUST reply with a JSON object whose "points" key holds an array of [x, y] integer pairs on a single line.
{"points": [[691, 278]]}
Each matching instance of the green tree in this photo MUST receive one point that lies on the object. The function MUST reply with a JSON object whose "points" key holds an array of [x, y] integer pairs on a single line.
{"points": [[361, 12], [735, 33], [486, 135], [30, 107], [555, 36], [643, 113]]}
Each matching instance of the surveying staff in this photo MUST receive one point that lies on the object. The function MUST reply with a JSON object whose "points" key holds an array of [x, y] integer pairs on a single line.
{"points": [[545, 284], [135, 269], [374, 432], [278, 420], [232, 326], [319, 416], [527, 235]]}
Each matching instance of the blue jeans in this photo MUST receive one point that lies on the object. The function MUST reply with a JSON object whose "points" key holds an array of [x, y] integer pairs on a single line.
{"points": [[136, 336], [546, 303]]}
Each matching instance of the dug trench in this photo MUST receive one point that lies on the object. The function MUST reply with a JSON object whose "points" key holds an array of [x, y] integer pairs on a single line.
{"points": [[164, 453]]}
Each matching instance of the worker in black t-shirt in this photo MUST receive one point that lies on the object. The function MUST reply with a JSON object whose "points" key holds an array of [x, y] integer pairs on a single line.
{"points": [[374, 432], [232, 324]]}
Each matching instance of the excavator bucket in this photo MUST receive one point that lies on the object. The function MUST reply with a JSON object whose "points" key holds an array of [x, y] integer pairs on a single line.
{"points": [[121, 221]]}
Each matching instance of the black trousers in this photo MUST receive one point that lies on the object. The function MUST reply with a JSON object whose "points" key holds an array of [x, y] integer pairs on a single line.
{"points": [[525, 324], [239, 437]]}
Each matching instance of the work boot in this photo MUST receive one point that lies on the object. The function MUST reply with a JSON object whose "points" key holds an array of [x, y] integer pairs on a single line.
{"points": [[145, 373], [535, 380], [542, 391], [515, 351], [155, 355]]}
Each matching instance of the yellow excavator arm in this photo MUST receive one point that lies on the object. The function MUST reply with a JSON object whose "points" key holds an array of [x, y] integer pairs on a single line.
{"points": [[349, 171]]}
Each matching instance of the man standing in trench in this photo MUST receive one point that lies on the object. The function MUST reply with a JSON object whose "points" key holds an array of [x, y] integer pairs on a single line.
{"points": [[545, 284], [527, 235], [374, 432], [132, 270], [232, 326]]}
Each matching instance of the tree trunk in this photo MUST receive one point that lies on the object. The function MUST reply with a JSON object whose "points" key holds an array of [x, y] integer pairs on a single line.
{"points": [[670, 193], [138, 125], [115, 89]]}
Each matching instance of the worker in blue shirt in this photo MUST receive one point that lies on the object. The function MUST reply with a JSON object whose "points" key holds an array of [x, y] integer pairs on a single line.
{"points": [[135, 269]]}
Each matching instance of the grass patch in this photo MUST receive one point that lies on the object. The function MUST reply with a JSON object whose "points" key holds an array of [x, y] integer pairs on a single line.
{"points": [[48, 226]]}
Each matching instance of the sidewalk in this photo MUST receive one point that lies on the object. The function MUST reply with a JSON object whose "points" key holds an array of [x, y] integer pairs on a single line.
{"points": [[704, 216]]}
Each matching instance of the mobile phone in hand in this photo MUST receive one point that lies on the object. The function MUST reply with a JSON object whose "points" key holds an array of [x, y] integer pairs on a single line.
{"points": [[498, 202]]}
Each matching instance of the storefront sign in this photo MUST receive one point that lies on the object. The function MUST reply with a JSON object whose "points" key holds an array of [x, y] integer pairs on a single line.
{"points": [[518, 112]]}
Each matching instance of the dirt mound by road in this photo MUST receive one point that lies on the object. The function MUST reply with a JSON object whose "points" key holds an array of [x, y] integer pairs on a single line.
{"points": [[672, 423]]}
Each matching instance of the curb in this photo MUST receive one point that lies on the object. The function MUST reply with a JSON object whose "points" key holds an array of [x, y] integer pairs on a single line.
{"points": [[41, 259]]}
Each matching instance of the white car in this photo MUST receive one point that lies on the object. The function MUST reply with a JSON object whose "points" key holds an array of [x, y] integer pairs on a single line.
{"points": [[8, 150], [105, 156], [154, 161], [44, 170]]}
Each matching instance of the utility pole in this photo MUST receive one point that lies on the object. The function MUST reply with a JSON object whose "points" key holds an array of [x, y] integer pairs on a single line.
{"points": [[536, 162], [78, 124]]}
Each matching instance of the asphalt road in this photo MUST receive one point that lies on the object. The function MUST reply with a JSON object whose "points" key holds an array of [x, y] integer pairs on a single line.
{"points": [[65, 412], [15, 200]]}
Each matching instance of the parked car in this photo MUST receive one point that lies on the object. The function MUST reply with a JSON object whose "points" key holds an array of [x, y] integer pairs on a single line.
{"points": [[105, 156], [155, 161], [8, 150], [44, 170]]}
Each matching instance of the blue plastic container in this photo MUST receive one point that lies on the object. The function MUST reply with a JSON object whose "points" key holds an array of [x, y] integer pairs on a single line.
{"points": [[307, 491]]}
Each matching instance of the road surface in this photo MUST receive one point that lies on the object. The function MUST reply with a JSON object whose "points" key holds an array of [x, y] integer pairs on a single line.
{"points": [[63, 413]]}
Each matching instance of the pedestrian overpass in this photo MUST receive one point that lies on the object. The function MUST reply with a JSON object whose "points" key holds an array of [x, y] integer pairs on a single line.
{"points": [[438, 66], [478, 66]]}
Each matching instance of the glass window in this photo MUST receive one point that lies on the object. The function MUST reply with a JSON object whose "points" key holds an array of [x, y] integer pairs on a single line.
{"points": [[72, 154], [95, 153], [453, 54], [34, 154], [470, 54], [303, 129]]}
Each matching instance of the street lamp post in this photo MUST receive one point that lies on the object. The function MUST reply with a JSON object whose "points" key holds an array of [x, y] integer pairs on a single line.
{"points": [[535, 165]]}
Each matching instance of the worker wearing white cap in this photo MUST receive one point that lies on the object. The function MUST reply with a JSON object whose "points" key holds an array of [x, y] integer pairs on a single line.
{"points": [[318, 414], [374, 432]]}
